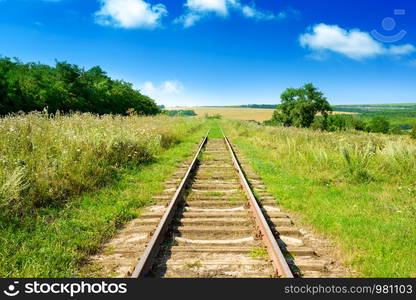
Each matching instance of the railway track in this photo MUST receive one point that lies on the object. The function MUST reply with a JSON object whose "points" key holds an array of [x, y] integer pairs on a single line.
{"points": [[213, 220], [213, 226]]}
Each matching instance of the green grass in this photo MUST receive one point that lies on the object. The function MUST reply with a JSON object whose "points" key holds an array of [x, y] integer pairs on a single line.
{"points": [[259, 253], [215, 132], [56, 241], [372, 221]]}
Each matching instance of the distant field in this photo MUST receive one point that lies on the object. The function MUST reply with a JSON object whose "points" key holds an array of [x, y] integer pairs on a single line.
{"points": [[256, 114], [236, 113]]}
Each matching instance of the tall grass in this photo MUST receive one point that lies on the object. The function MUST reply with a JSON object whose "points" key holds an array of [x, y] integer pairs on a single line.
{"points": [[44, 160], [351, 155]]}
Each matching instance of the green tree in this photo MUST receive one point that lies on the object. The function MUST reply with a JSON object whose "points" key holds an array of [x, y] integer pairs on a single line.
{"points": [[300, 106], [66, 87], [379, 125]]}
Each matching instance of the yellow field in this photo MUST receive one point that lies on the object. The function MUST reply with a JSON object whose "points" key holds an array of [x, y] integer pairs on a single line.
{"points": [[237, 113]]}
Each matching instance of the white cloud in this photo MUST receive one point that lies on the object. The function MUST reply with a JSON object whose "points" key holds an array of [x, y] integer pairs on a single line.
{"points": [[148, 87], [188, 19], [250, 11], [402, 49], [172, 87], [219, 7], [130, 14], [198, 9], [167, 87], [354, 43], [169, 92]]}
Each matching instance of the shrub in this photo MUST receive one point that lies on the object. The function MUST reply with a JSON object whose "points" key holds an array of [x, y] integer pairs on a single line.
{"points": [[339, 123], [181, 113], [413, 133], [395, 130], [213, 117], [379, 125]]}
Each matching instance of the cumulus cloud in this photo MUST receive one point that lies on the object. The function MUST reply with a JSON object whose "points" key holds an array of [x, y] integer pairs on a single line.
{"points": [[219, 7], [354, 43], [172, 87], [198, 9], [402, 49], [167, 87], [250, 11], [169, 92], [130, 14], [148, 87]]}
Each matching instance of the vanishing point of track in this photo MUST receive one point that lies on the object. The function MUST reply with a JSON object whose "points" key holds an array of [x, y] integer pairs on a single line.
{"points": [[213, 225]]}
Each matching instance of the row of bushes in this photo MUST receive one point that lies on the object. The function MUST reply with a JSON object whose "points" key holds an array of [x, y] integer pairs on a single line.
{"points": [[346, 122], [181, 113], [66, 87], [46, 159]]}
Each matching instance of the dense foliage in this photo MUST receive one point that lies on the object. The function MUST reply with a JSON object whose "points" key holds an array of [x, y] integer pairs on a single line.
{"points": [[356, 122], [66, 87], [300, 106]]}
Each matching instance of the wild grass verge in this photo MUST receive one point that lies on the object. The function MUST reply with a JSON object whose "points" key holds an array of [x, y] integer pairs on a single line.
{"points": [[55, 241], [45, 160], [356, 188]]}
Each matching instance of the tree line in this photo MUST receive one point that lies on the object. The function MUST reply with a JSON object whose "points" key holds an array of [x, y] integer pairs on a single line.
{"points": [[308, 107], [67, 87]]}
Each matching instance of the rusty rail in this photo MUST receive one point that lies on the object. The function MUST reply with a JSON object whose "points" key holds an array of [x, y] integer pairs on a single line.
{"points": [[279, 262], [152, 248]]}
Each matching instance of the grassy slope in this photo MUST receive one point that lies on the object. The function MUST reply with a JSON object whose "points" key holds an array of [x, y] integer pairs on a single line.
{"points": [[56, 241], [373, 222]]}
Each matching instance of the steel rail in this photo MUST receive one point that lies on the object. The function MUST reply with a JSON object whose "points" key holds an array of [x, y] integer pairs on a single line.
{"points": [[280, 265], [153, 247]]}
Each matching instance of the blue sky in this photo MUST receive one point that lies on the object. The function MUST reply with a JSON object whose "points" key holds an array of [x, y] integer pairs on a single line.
{"points": [[225, 52]]}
